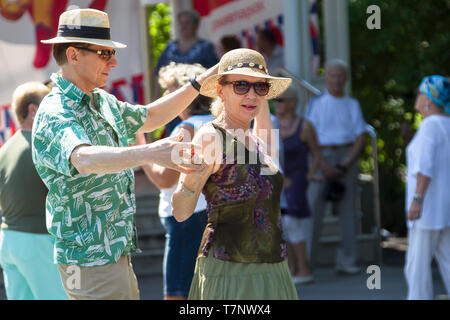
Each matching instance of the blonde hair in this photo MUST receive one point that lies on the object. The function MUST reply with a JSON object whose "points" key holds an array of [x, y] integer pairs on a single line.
{"points": [[178, 74], [28, 93], [217, 107]]}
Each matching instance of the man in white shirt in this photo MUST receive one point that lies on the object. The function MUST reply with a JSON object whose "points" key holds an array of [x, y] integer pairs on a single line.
{"points": [[340, 128]]}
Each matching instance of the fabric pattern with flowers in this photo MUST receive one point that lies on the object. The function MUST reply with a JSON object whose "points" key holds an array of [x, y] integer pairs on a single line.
{"points": [[243, 212]]}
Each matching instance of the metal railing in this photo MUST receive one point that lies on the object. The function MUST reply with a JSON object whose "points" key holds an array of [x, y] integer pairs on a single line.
{"points": [[376, 190], [308, 91]]}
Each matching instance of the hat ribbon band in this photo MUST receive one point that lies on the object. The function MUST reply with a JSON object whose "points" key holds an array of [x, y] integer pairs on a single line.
{"points": [[247, 65], [84, 32]]}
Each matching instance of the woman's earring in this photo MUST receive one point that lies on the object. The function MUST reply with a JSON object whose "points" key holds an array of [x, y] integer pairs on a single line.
{"points": [[426, 108]]}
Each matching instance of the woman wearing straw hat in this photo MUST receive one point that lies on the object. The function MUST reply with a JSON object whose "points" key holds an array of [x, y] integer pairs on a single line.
{"points": [[243, 253], [82, 152]]}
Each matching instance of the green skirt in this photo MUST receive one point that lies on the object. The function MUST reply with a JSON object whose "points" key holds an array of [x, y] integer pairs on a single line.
{"points": [[215, 279]]}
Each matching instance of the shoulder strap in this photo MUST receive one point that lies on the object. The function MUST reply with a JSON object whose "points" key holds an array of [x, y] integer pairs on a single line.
{"points": [[300, 126]]}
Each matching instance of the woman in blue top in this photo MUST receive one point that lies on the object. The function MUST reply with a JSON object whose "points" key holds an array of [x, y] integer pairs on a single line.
{"points": [[188, 48]]}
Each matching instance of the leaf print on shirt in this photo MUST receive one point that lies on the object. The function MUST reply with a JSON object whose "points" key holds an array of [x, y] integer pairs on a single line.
{"points": [[107, 246], [99, 226], [83, 209], [88, 212]]}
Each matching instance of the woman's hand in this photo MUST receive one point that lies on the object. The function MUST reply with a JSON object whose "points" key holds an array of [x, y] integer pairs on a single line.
{"points": [[180, 156], [415, 210], [210, 72]]}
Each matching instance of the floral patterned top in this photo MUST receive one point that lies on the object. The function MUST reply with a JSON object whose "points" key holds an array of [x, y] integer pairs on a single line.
{"points": [[243, 209]]}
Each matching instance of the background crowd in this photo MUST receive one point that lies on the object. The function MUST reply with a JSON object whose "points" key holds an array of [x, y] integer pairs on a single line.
{"points": [[319, 153]]}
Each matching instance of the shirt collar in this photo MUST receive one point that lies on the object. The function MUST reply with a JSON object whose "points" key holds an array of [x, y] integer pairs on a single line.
{"points": [[70, 90]]}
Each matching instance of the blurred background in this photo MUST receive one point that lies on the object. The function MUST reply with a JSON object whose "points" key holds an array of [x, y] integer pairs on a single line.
{"points": [[389, 47]]}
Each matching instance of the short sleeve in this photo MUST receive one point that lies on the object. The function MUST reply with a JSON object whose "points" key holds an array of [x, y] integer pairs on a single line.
{"points": [[309, 112], [427, 150], [134, 117], [358, 120], [54, 139]]}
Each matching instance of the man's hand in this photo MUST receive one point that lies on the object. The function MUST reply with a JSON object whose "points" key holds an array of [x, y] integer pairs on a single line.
{"points": [[180, 156], [331, 173], [140, 139]]}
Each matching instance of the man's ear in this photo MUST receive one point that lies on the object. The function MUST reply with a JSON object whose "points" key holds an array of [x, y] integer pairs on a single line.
{"points": [[32, 109], [72, 55]]}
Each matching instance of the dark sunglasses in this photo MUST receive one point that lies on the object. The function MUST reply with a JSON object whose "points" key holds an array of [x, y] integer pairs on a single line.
{"points": [[104, 54], [242, 87]]}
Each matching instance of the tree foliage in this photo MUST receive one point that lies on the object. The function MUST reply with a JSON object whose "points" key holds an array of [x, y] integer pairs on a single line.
{"points": [[387, 67], [159, 29]]}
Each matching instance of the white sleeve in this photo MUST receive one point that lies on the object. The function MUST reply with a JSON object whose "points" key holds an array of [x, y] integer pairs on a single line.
{"points": [[358, 119], [309, 114], [426, 153]]}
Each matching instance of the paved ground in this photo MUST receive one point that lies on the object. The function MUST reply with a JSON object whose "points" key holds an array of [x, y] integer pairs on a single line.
{"points": [[331, 286], [328, 284]]}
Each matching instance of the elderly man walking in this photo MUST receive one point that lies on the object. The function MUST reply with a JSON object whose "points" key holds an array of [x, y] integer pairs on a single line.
{"points": [[81, 151], [340, 128]]}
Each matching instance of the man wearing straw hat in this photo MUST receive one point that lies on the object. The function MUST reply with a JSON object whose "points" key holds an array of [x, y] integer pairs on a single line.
{"points": [[81, 138]]}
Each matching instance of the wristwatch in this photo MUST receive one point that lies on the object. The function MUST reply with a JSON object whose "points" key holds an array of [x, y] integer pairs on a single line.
{"points": [[195, 84], [418, 198]]}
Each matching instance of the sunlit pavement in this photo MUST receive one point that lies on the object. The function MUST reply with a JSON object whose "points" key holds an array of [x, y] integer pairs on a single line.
{"points": [[330, 285]]}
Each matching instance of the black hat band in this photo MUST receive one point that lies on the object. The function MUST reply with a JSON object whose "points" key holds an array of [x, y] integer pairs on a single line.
{"points": [[84, 32]]}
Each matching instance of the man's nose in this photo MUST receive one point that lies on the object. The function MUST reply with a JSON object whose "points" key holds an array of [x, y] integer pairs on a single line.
{"points": [[112, 63]]}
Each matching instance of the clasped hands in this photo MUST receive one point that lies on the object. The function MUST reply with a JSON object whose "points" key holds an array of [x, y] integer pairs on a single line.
{"points": [[173, 153]]}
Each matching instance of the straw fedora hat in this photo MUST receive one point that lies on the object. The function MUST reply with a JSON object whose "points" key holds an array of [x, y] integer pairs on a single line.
{"points": [[85, 26], [244, 62]]}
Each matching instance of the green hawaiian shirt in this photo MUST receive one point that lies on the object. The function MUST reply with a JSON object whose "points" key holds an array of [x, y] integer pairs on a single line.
{"points": [[91, 215]]}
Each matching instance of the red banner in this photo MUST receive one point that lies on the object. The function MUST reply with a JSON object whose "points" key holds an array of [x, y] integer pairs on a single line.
{"points": [[23, 23]]}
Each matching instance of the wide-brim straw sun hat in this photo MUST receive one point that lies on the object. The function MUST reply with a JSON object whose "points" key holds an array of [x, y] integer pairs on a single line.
{"points": [[244, 62], [84, 26]]}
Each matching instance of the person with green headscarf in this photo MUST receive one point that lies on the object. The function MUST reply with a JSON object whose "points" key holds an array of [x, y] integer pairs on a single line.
{"points": [[428, 182]]}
